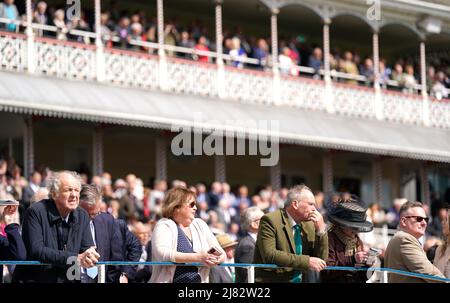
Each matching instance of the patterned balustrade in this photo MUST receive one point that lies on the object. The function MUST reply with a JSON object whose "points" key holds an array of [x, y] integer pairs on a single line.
{"points": [[248, 86], [402, 108], [65, 60], [440, 113], [357, 102], [186, 77], [302, 93], [131, 69], [135, 69], [12, 52]]}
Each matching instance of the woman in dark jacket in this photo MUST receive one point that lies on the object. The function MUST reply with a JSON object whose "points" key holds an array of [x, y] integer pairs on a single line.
{"points": [[11, 246], [345, 248]]}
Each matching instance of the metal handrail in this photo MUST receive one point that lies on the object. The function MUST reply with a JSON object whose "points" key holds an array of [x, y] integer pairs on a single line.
{"points": [[101, 265]]}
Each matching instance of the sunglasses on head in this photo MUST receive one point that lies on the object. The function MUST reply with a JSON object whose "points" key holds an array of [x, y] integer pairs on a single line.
{"points": [[419, 218]]}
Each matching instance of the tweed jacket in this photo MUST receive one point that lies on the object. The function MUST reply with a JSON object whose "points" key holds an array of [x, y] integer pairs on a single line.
{"points": [[275, 245], [404, 252]]}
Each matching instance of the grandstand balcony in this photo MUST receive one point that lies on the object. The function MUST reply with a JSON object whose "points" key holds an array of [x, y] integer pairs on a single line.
{"points": [[78, 61], [155, 87]]}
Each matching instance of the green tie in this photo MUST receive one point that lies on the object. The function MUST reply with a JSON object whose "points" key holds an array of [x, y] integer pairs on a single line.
{"points": [[298, 250]]}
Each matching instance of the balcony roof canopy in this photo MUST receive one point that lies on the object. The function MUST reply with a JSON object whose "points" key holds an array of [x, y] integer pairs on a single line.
{"points": [[45, 96]]}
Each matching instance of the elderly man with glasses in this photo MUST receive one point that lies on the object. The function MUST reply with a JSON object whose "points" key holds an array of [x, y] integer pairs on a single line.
{"points": [[105, 234], [404, 251]]}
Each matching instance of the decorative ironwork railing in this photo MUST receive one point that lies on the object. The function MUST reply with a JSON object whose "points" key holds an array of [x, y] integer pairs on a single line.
{"points": [[128, 68]]}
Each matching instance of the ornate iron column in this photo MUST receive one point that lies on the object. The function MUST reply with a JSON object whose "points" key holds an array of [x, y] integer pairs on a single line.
{"points": [[220, 173], [275, 69], [97, 151], [163, 84], [28, 147], [423, 80], [219, 50], [328, 95], [275, 176], [31, 59], [426, 198], [161, 158], [100, 57], [327, 173], [377, 177]]}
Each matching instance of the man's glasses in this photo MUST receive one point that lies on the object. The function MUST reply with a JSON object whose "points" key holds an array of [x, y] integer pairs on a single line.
{"points": [[419, 218]]}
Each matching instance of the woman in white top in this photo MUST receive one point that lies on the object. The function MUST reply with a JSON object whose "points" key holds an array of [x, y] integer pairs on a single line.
{"points": [[442, 255], [182, 238]]}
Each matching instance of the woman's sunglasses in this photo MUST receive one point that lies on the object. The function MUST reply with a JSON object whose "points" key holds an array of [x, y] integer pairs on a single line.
{"points": [[192, 204], [418, 218]]}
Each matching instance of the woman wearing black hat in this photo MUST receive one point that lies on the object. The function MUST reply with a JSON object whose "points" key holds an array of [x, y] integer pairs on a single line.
{"points": [[348, 218]]}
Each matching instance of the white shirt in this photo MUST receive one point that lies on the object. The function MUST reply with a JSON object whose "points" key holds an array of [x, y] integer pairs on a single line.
{"points": [[293, 223], [91, 225], [253, 235]]}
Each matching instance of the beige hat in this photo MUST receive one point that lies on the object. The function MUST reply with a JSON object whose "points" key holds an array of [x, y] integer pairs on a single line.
{"points": [[225, 241]]}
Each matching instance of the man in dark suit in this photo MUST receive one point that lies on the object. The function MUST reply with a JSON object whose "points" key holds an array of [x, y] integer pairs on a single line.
{"points": [[11, 246], [31, 188], [105, 234], [131, 251], [294, 238], [56, 232], [245, 249], [144, 272]]}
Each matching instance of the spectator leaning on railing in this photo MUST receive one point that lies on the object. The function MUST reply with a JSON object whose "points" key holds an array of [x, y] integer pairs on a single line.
{"points": [[294, 238], [9, 10], [11, 245], [404, 251], [442, 255], [72, 238]]}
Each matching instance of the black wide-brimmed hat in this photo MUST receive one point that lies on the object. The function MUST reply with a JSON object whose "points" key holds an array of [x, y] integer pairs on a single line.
{"points": [[351, 215]]}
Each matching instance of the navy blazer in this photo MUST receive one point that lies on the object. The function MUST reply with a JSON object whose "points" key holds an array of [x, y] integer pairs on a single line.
{"points": [[244, 254], [109, 243], [131, 249], [11, 246], [39, 233]]}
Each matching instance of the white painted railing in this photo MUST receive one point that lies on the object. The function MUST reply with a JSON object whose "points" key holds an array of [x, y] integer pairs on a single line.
{"points": [[136, 69]]}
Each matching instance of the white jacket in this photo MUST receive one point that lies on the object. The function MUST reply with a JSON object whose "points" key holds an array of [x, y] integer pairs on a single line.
{"points": [[164, 247]]}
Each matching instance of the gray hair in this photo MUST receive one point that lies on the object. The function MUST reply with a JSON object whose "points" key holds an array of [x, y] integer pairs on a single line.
{"points": [[248, 216], [90, 194], [55, 181], [407, 205], [40, 194], [296, 193]]}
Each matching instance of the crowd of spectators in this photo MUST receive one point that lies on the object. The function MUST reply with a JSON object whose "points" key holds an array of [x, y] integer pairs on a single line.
{"points": [[121, 29]]}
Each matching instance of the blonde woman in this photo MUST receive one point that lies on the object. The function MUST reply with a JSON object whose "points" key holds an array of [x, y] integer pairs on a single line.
{"points": [[442, 256], [182, 238]]}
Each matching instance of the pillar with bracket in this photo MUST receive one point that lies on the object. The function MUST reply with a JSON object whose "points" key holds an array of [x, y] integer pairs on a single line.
{"points": [[220, 173], [275, 176], [161, 158], [28, 146], [327, 173], [276, 90], [219, 51], [377, 177], [97, 151], [426, 197], [378, 106], [163, 79], [328, 96], [31, 53], [423, 80], [99, 54]]}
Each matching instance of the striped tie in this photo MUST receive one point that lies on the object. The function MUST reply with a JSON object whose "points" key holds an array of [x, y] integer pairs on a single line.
{"points": [[298, 250]]}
